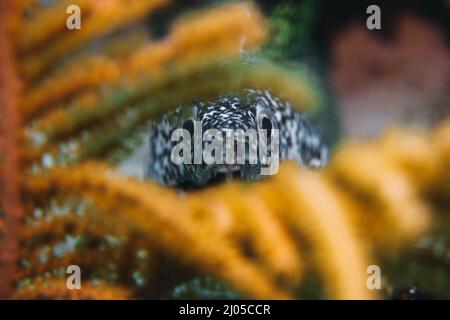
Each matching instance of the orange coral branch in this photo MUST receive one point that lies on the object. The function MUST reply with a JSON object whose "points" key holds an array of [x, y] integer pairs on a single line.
{"points": [[10, 122]]}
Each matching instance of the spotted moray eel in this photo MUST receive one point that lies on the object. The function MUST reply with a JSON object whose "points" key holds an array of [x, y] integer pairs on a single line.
{"points": [[251, 109]]}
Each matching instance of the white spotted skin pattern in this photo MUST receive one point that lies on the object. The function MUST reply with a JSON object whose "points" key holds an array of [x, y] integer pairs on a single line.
{"points": [[298, 140]]}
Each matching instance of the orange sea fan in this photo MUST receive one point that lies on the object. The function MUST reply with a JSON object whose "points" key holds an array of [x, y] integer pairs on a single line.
{"points": [[11, 135]]}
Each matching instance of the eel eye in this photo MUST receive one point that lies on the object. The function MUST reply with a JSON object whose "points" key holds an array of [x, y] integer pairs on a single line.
{"points": [[263, 117], [189, 126], [266, 124]]}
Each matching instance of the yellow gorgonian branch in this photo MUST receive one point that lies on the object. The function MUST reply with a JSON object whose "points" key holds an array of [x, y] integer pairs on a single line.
{"points": [[366, 171], [222, 31], [100, 18], [51, 23], [241, 25], [311, 206], [150, 62], [423, 156], [391, 178], [258, 229], [159, 212], [77, 77], [344, 272], [42, 237], [441, 141], [56, 289], [85, 72]]}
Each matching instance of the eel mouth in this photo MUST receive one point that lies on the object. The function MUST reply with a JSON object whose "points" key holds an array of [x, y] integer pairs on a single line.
{"points": [[227, 173], [218, 175]]}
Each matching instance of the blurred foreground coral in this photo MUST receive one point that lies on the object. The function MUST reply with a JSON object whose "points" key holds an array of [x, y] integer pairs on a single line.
{"points": [[73, 103]]}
